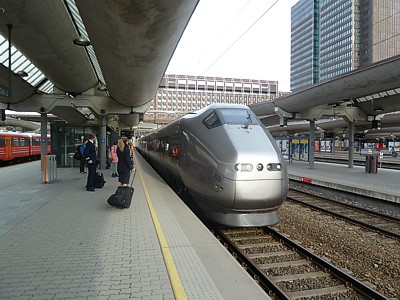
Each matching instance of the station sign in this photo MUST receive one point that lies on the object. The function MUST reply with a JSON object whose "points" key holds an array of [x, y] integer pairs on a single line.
{"points": [[102, 141], [43, 140]]}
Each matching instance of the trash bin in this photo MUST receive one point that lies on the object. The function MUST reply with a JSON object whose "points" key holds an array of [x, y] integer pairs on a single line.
{"points": [[54, 167], [368, 164], [374, 163], [49, 168], [371, 163]]}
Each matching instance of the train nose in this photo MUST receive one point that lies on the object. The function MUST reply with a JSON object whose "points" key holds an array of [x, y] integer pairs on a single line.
{"points": [[260, 194]]}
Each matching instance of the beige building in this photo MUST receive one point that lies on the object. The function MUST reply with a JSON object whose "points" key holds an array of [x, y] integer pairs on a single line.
{"points": [[380, 30], [181, 94]]}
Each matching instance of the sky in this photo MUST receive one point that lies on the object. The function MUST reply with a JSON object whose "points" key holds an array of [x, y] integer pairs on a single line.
{"points": [[263, 52]]}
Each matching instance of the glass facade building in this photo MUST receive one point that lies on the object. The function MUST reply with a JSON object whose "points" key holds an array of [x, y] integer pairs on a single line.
{"points": [[380, 30], [304, 44], [339, 47], [332, 37]]}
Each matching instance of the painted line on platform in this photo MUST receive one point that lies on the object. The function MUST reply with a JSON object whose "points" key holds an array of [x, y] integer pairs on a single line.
{"points": [[176, 283]]}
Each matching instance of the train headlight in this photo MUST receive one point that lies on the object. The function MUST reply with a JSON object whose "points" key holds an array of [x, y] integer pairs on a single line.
{"points": [[274, 167], [260, 167], [244, 167]]}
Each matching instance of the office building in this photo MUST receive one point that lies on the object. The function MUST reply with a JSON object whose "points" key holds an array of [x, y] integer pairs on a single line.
{"points": [[332, 37], [181, 94]]}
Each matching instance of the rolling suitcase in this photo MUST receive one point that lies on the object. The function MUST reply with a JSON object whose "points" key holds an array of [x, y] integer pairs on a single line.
{"points": [[99, 180], [122, 197]]}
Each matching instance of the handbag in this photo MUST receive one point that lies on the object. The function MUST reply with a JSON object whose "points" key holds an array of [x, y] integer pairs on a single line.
{"points": [[77, 156]]}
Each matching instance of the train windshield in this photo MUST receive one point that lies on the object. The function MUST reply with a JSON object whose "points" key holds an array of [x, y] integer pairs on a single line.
{"points": [[237, 116], [230, 116]]}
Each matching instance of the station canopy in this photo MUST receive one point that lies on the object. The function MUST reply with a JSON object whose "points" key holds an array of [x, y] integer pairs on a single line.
{"points": [[104, 54]]}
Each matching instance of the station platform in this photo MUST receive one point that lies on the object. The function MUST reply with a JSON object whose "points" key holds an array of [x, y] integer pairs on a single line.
{"points": [[383, 185], [58, 241]]}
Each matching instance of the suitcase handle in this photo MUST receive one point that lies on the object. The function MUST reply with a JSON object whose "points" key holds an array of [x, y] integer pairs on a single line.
{"points": [[133, 179]]}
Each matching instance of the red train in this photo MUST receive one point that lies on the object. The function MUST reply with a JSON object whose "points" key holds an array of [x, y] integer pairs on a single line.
{"points": [[15, 146]]}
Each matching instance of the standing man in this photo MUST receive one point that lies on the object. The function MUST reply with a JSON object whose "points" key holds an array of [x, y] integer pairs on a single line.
{"points": [[90, 155], [82, 149]]}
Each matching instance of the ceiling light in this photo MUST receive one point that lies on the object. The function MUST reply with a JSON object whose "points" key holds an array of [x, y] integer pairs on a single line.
{"points": [[21, 74], [82, 41]]}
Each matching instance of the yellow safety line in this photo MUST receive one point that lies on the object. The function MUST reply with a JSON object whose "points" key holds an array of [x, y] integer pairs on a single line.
{"points": [[173, 274]]}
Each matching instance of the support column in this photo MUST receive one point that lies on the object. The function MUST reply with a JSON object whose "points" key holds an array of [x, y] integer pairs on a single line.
{"points": [[311, 144], [351, 144], [43, 136], [102, 144]]}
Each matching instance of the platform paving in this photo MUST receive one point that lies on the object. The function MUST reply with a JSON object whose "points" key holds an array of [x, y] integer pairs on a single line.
{"points": [[206, 269], [70, 244], [58, 241], [382, 185]]}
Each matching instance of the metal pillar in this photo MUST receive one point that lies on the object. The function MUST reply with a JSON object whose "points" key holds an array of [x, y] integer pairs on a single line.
{"points": [[102, 144], [311, 145], [43, 136], [351, 144]]}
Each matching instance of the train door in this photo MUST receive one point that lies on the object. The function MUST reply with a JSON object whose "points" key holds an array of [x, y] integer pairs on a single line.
{"points": [[8, 148]]}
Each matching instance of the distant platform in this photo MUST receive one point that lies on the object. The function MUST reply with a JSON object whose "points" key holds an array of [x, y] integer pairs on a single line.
{"points": [[383, 185]]}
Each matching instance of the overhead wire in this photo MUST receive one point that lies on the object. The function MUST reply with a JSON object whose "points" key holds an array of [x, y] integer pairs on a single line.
{"points": [[226, 29], [247, 30]]}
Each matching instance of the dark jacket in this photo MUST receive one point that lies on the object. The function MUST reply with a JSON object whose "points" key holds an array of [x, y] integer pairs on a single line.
{"points": [[90, 152], [124, 160]]}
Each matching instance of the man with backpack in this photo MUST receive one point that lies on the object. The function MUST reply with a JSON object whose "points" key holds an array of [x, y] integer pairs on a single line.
{"points": [[82, 149]]}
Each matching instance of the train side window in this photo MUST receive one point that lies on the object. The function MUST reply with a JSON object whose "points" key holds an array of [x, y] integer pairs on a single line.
{"points": [[15, 142], [212, 120], [2, 141]]}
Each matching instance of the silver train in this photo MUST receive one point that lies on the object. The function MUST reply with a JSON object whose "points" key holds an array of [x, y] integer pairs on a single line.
{"points": [[226, 159]]}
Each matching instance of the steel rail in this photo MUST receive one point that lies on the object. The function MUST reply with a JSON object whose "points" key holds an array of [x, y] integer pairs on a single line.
{"points": [[263, 279], [349, 219], [354, 283]]}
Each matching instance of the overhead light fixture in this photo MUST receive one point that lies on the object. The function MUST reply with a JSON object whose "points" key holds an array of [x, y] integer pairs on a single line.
{"points": [[378, 110], [376, 124], [102, 89], [21, 74], [82, 41]]}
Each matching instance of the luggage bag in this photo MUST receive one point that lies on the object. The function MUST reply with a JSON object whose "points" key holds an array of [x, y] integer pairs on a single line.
{"points": [[122, 197], [99, 181]]}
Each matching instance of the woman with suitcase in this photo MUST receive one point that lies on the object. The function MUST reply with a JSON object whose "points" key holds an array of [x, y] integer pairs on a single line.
{"points": [[125, 164]]}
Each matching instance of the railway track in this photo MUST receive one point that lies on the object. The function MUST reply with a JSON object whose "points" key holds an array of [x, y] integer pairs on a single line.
{"points": [[384, 224], [286, 270]]}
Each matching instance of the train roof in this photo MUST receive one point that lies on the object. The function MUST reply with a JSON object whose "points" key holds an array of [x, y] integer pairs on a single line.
{"points": [[211, 107], [28, 134], [169, 128]]}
